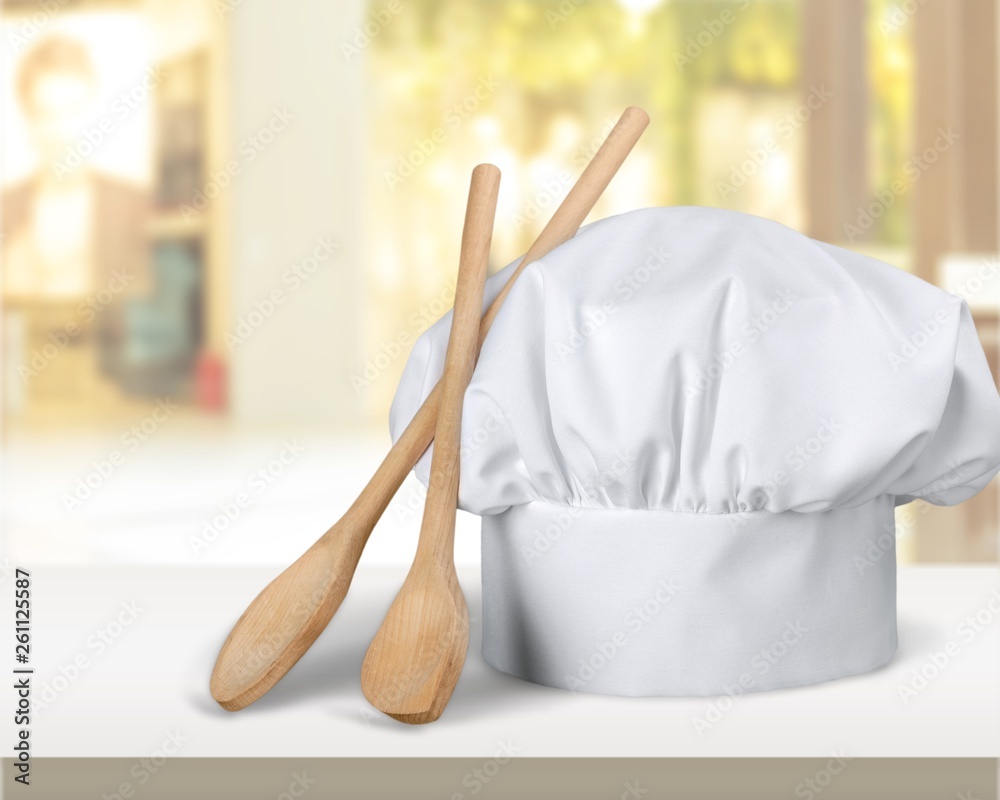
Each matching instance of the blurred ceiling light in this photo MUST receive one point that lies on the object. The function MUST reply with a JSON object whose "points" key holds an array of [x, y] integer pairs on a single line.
{"points": [[761, 130], [487, 128], [777, 173], [895, 57], [388, 271], [564, 134], [639, 6], [440, 176]]}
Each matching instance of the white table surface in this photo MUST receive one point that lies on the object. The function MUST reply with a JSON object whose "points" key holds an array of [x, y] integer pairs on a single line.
{"points": [[151, 682]]}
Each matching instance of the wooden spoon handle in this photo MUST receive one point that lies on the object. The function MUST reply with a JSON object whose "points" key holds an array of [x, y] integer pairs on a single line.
{"points": [[564, 223], [568, 218], [437, 533]]}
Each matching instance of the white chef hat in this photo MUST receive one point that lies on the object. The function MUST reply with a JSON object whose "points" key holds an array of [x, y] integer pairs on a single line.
{"points": [[686, 435]]}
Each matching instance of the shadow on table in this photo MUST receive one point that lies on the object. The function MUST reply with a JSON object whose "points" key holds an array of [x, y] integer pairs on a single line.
{"points": [[331, 670]]}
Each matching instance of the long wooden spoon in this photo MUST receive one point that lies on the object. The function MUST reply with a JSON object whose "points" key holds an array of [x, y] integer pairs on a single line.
{"points": [[287, 616], [417, 655]]}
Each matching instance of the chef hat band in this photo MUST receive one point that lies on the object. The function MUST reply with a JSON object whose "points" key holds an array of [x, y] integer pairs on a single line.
{"points": [[663, 603]]}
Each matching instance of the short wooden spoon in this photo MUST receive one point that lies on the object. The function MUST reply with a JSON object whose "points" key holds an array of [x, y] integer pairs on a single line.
{"points": [[284, 620], [414, 662]]}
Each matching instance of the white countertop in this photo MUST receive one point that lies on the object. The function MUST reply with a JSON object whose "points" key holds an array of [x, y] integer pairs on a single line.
{"points": [[150, 683]]}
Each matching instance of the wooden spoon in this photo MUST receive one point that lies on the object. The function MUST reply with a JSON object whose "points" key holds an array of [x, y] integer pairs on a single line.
{"points": [[417, 655], [287, 616]]}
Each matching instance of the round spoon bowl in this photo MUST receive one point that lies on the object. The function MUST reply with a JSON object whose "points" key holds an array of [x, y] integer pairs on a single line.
{"points": [[282, 623], [413, 664]]}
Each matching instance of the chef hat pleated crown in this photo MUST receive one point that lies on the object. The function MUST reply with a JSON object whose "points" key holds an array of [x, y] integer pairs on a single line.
{"points": [[686, 435]]}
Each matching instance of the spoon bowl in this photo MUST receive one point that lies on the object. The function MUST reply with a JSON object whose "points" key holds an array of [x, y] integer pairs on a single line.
{"points": [[284, 620], [427, 627]]}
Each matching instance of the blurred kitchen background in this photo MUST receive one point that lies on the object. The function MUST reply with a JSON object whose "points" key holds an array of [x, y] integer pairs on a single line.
{"points": [[225, 222]]}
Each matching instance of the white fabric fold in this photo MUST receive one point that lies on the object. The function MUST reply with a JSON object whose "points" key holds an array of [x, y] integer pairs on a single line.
{"points": [[646, 603], [730, 362], [697, 363]]}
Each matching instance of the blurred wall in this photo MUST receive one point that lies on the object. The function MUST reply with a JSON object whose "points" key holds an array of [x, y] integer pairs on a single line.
{"points": [[327, 147], [293, 195]]}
